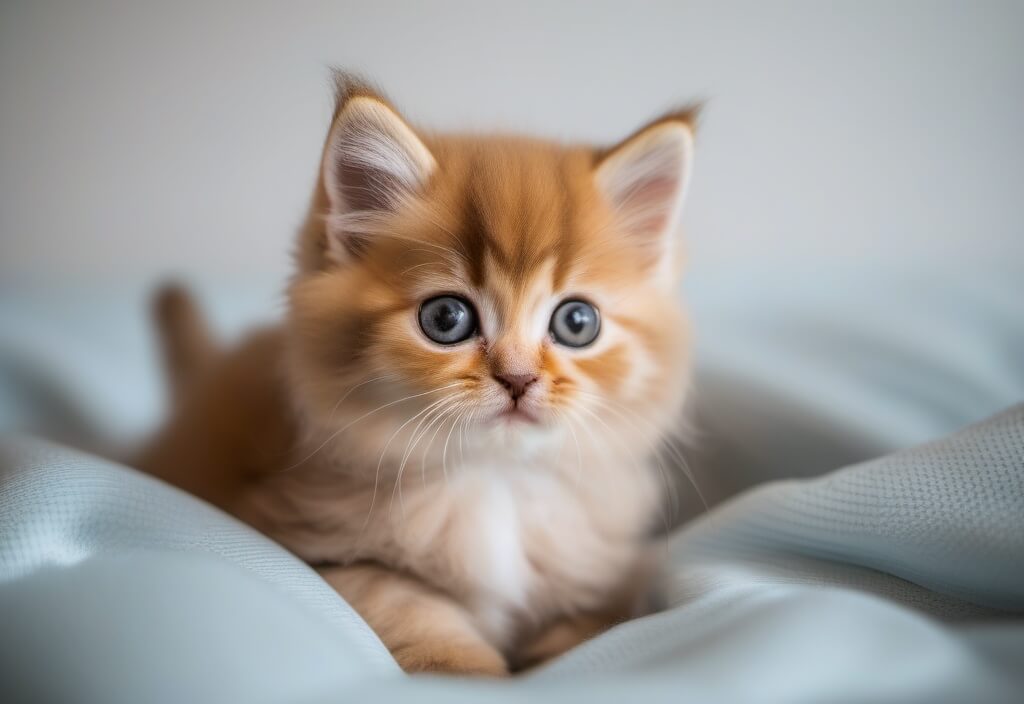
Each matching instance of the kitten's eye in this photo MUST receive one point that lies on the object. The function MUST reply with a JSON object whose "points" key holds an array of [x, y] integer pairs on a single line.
{"points": [[575, 324], [447, 320]]}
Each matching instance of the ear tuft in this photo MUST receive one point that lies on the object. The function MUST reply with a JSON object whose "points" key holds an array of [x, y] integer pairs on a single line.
{"points": [[373, 165], [348, 85], [645, 178]]}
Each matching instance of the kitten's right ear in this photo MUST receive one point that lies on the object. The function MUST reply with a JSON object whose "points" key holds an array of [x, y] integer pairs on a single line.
{"points": [[373, 164]]}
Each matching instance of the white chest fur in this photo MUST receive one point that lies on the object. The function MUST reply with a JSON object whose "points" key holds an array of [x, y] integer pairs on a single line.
{"points": [[517, 544]]}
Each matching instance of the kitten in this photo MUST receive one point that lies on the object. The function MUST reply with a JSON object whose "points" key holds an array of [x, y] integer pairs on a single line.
{"points": [[457, 419]]}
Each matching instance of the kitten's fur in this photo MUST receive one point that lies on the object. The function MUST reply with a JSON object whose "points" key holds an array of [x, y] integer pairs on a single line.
{"points": [[470, 542]]}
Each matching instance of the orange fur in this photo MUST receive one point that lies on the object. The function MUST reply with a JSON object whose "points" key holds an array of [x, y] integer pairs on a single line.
{"points": [[467, 539]]}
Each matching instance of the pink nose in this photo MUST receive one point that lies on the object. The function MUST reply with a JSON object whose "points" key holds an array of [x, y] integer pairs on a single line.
{"points": [[515, 383]]}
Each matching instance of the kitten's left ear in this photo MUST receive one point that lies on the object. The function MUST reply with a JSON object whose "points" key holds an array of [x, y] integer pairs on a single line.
{"points": [[645, 178]]}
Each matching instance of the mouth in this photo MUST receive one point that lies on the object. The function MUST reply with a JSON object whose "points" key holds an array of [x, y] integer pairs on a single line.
{"points": [[517, 414]]}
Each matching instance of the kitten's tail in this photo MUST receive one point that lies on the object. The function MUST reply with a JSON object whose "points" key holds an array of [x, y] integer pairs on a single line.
{"points": [[187, 345]]}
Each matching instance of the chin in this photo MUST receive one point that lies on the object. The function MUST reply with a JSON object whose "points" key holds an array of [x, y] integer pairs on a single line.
{"points": [[519, 434]]}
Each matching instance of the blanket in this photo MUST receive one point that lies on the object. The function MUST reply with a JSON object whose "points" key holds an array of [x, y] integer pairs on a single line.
{"points": [[900, 579]]}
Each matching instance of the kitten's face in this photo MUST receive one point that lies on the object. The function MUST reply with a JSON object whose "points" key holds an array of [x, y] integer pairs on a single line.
{"points": [[488, 294]]}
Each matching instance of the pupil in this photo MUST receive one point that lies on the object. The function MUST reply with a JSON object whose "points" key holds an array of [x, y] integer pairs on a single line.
{"points": [[447, 317], [577, 319]]}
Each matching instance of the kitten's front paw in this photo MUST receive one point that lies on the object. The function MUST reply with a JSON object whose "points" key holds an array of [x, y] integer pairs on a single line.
{"points": [[457, 659], [559, 637]]}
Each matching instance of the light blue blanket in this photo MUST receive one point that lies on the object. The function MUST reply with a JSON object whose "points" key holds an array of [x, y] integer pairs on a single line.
{"points": [[894, 579]]}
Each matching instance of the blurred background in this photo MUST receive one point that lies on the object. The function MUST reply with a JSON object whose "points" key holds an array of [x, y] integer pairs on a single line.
{"points": [[857, 255], [151, 138]]}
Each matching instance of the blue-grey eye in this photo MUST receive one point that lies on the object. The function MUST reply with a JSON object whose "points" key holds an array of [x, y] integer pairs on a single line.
{"points": [[448, 319], [575, 324]]}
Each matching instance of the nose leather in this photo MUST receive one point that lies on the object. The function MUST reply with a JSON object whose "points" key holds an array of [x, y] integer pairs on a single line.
{"points": [[515, 383]]}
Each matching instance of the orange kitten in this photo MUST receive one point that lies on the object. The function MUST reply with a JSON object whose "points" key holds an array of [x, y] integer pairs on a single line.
{"points": [[456, 420]]}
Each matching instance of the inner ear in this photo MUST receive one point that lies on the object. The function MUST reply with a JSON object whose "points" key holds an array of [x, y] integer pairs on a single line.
{"points": [[645, 180], [373, 165]]}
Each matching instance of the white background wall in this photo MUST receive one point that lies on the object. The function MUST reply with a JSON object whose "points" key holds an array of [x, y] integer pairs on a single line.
{"points": [[144, 138]]}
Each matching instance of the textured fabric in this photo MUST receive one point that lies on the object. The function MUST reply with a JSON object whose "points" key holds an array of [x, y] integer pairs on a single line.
{"points": [[900, 579], [805, 369], [948, 515], [153, 625], [95, 558]]}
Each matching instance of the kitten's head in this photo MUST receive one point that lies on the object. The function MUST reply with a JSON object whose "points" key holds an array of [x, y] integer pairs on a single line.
{"points": [[489, 292]]}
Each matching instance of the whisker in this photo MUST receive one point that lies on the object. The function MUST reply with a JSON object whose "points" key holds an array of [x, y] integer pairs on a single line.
{"points": [[579, 455], [405, 272], [448, 414], [429, 419], [462, 437], [353, 388], [384, 450], [364, 223], [638, 464], [428, 216], [444, 452], [674, 452], [362, 417], [438, 410]]}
